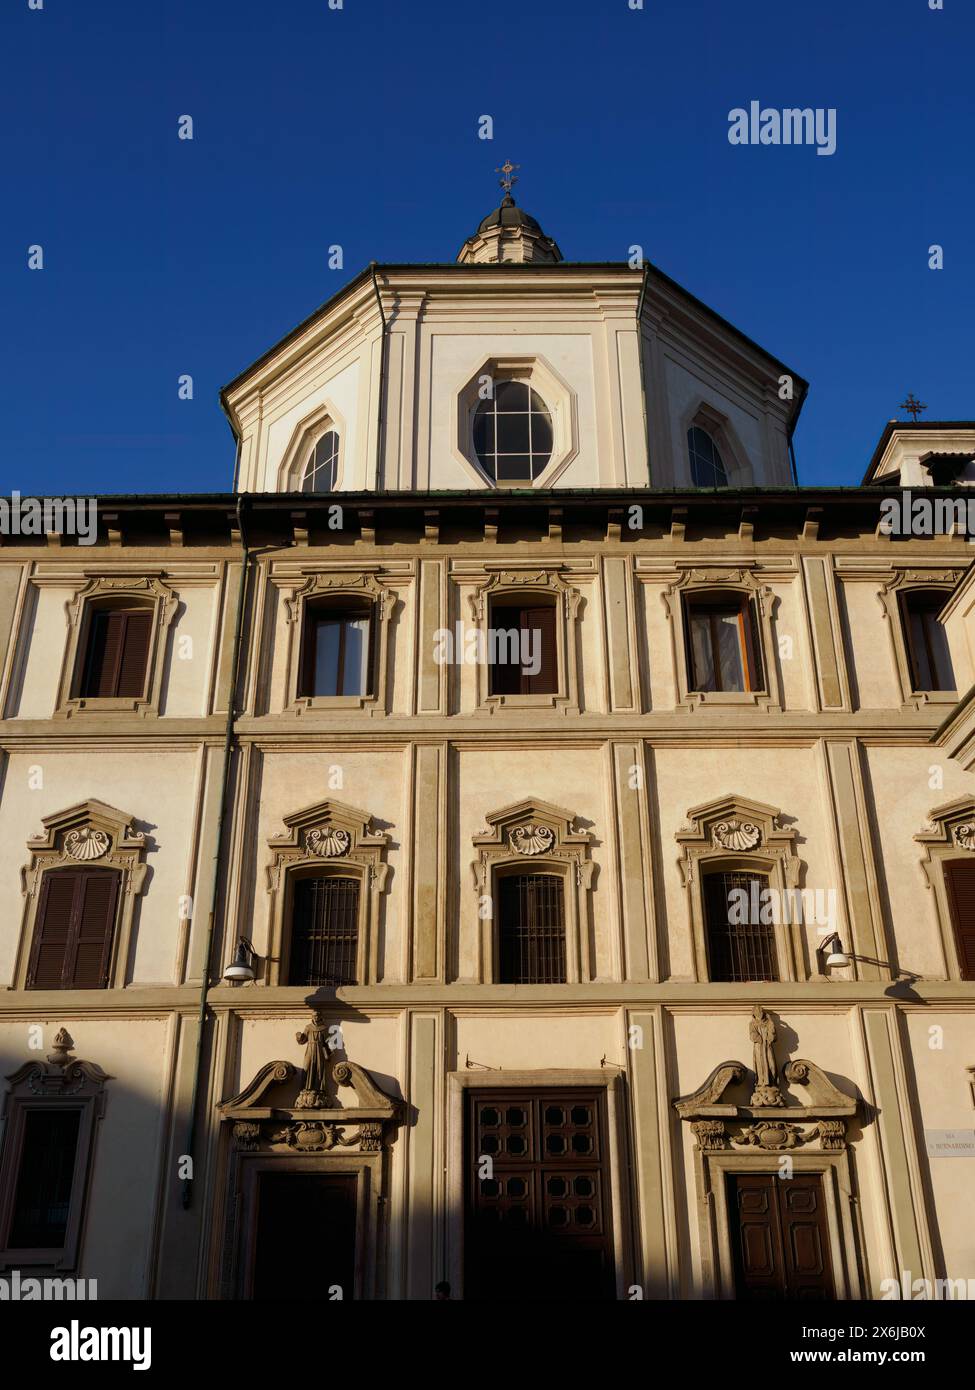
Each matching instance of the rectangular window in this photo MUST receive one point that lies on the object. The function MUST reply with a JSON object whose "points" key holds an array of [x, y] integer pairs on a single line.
{"points": [[116, 655], [960, 878], [927, 642], [531, 930], [73, 931], [739, 947], [42, 1197], [722, 652], [325, 932], [337, 653], [523, 650]]}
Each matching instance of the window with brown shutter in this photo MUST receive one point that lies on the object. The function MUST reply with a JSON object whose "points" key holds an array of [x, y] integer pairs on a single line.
{"points": [[324, 932], [116, 654], [73, 932], [960, 878], [531, 639]]}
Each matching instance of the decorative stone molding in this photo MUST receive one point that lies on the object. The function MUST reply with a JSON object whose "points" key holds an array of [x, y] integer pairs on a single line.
{"points": [[521, 584], [44, 1085], [90, 833], [328, 837], [818, 1099], [948, 834], [737, 835], [704, 416], [890, 596], [743, 582], [94, 592], [731, 833], [318, 584], [327, 1116], [559, 398], [300, 1108], [545, 836], [736, 1135], [304, 437]]}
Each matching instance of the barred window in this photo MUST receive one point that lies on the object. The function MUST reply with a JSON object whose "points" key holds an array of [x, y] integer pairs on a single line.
{"points": [[740, 945], [325, 932], [531, 929]]}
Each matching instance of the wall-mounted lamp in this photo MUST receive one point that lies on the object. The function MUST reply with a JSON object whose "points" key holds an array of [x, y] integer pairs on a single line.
{"points": [[837, 956], [241, 968]]}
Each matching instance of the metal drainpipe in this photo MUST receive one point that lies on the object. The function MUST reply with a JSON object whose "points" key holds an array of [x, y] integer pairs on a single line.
{"points": [[187, 1194], [643, 370], [382, 379]]}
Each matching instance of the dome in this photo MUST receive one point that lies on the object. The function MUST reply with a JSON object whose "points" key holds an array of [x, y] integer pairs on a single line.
{"points": [[511, 235], [509, 215]]}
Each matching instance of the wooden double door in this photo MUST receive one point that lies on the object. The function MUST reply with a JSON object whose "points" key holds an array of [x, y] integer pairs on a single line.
{"points": [[538, 1220], [779, 1237]]}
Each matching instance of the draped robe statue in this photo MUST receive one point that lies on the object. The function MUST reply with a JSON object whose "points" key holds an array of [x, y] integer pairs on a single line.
{"points": [[314, 1092], [761, 1031]]}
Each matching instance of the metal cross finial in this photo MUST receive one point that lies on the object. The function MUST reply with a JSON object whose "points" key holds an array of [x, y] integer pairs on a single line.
{"points": [[507, 169], [912, 406]]}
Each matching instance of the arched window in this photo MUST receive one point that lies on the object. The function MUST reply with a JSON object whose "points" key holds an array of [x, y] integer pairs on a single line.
{"points": [[322, 468], [927, 644], [740, 944], [513, 433], [531, 929], [324, 932], [707, 465]]}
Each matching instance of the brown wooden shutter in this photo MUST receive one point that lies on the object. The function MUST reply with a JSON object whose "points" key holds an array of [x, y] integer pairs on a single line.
{"points": [[74, 929], [118, 654], [960, 878], [504, 678], [542, 620], [95, 923], [135, 654], [52, 930]]}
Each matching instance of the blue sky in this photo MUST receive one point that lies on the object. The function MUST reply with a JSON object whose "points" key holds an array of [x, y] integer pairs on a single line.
{"points": [[358, 126]]}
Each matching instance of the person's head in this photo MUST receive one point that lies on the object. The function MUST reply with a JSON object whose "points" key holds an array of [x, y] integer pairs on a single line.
{"points": [[442, 1291]]}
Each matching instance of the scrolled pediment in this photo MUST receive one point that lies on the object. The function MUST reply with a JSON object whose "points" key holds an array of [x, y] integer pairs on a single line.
{"points": [[951, 826], [303, 1108]]}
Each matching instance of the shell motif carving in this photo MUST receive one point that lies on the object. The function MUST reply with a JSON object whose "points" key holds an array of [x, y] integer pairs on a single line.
{"points": [[328, 841], [532, 839], [737, 834], [965, 835], [86, 843]]}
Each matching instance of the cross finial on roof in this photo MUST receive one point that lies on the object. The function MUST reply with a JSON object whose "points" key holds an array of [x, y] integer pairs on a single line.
{"points": [[507, 170], [912, 405]]}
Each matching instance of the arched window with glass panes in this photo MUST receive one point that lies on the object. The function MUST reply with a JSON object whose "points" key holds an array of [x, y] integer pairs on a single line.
{"points": [[707, 465], [322, 468]]}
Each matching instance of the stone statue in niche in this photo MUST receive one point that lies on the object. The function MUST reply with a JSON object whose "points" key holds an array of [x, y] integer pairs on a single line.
{"points": [[313, 1094], [761, 1031]]}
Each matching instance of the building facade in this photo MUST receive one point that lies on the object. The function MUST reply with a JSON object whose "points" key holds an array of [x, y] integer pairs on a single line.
{"points": [[583, 815]]}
